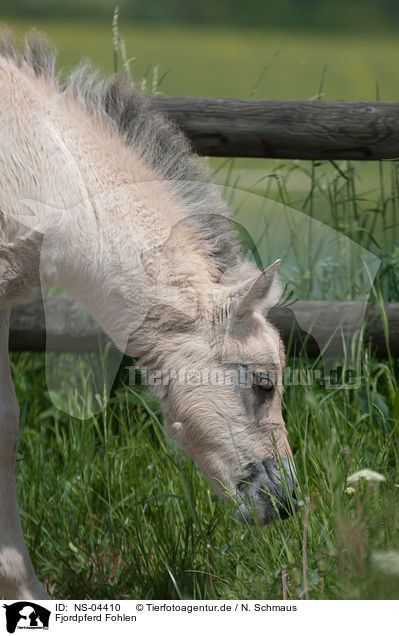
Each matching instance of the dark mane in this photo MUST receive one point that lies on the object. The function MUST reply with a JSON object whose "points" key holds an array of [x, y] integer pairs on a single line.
{"points": [[154, 138]]}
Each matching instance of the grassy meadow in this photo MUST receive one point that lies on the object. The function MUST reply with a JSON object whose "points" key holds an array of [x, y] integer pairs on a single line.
{"points": [[111, 508]]}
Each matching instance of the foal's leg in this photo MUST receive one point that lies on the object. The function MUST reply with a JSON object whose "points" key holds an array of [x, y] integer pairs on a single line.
{"points": [[17, 577]]}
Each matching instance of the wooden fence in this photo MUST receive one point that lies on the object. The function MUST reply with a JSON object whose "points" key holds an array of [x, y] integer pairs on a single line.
{"points": [[311, 129], [252, 128], [72, 329]]}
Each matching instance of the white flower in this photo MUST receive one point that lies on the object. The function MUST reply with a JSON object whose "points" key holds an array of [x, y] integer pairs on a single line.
{"points": [[350, 490], [366, 473]]}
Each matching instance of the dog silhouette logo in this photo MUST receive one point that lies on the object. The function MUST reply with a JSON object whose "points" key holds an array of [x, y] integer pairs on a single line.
{"points": [[26, 615]]}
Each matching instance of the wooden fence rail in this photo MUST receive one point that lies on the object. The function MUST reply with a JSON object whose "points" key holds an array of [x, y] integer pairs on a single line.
{"points": [[72, 329], [311, 129]]}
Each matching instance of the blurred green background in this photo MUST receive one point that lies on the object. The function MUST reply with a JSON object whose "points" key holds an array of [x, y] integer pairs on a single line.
{"points": [[314, 14], [222, 48]]}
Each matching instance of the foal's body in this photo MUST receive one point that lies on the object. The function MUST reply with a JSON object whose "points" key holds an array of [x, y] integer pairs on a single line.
{"points": [[102, 196]]}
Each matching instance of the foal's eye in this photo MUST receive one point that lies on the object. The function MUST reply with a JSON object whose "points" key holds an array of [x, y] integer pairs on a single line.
{"points": [[262, 381]]}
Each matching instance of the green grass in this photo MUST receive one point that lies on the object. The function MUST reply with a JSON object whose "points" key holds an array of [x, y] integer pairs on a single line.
{"points": [[111, 508]]}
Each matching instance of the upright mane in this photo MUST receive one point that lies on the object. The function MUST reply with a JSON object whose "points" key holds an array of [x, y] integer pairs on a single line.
{"points": [[154, 138]]}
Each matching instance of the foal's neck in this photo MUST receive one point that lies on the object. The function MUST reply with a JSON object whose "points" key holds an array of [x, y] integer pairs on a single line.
{"points": [[137, 264], [116, 234]]}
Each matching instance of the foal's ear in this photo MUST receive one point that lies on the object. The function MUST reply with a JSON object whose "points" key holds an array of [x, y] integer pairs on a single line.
{"points": [[260, 293]]}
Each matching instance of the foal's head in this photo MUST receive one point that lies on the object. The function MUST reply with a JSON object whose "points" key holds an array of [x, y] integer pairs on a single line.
{"points": [[224, 405]]}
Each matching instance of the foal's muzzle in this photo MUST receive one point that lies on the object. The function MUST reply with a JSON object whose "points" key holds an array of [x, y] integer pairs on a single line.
{"points": [[266, 491]]}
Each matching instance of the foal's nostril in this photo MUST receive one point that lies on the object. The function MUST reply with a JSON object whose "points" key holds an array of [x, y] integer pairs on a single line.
{"points": [[282, 473], [268, 490]]}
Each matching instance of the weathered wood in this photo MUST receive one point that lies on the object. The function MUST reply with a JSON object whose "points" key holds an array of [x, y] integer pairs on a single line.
{"points": [[322, 319], [69, 328], [313, 129], [73, 330]]}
